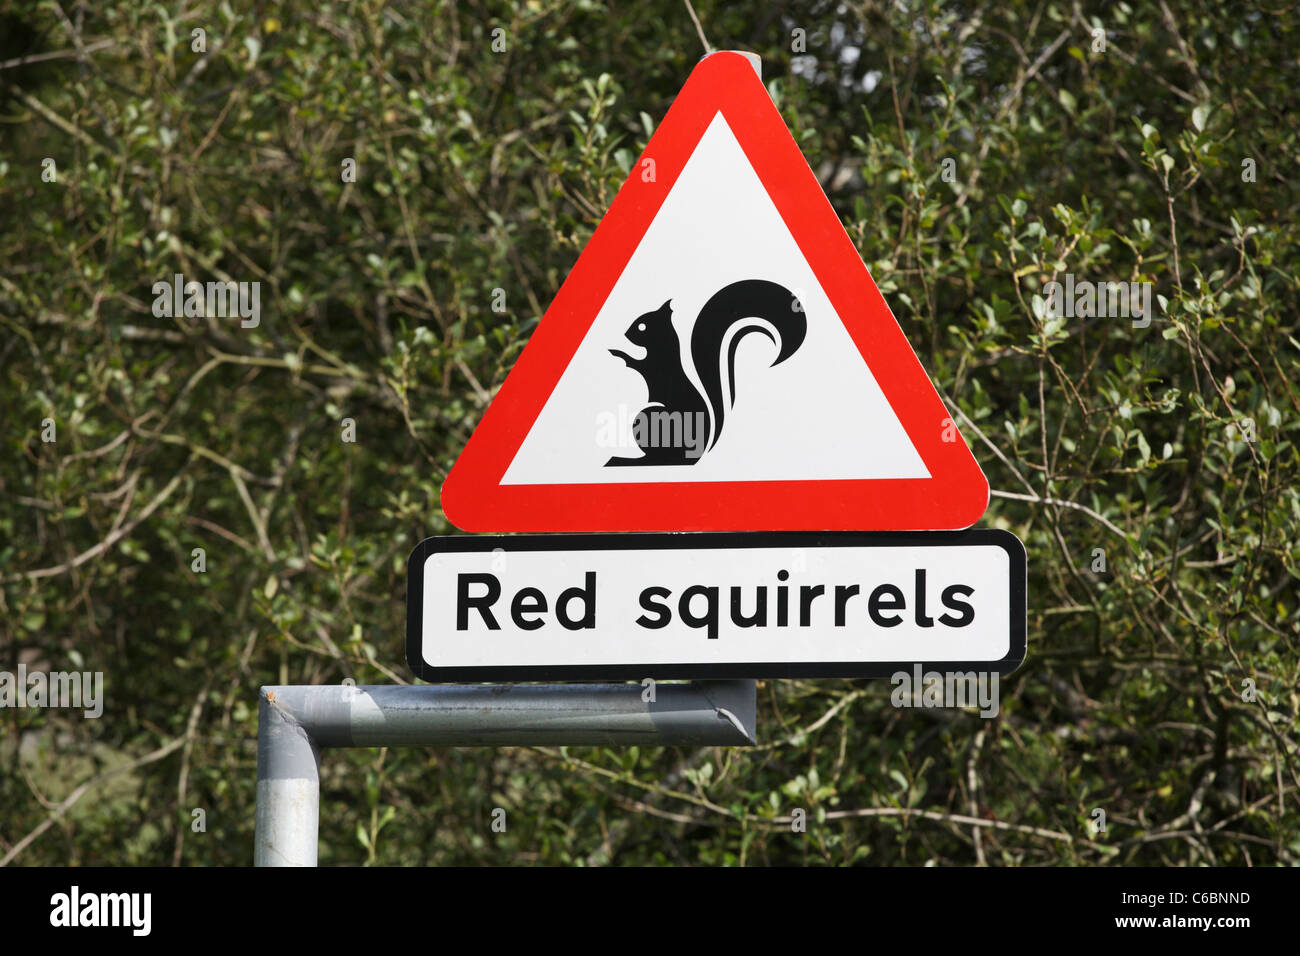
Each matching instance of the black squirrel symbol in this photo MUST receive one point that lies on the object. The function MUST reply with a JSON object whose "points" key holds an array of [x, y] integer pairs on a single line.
{"points": [[676, 406]]}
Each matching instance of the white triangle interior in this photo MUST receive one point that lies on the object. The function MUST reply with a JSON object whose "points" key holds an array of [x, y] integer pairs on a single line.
{"points": [[819, 415]]}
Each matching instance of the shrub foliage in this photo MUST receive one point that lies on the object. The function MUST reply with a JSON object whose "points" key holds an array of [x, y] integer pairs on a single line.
{"points": [[1151, 472]]}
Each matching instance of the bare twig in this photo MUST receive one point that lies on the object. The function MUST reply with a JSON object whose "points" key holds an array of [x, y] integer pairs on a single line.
{"points": [[708, 47]]}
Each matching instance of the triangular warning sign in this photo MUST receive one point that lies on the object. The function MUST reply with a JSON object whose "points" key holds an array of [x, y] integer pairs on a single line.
{"points": [[719, 359]]}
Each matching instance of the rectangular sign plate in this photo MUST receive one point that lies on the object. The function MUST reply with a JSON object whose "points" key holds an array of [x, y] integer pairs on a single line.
{"points": [[728, 605]]}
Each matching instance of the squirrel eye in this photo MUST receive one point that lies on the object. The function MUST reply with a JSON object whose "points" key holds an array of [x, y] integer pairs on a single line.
{"points": [[641, 327]]}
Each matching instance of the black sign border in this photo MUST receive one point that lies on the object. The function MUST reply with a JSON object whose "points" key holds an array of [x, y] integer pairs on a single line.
{"points": [[1005, 540]]}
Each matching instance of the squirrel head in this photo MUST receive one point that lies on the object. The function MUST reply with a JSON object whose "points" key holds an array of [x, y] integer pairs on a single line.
{"points": [[654, 330]]}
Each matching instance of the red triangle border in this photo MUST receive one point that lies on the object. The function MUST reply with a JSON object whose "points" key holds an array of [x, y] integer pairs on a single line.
{"points": [[954, 496]]}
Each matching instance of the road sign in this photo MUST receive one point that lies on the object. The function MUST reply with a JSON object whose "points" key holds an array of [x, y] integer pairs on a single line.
{"points": [[730, 605], [718, 359]]}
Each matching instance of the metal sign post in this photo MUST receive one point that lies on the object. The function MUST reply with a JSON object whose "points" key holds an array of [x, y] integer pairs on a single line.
{"points": [[296, 723]]}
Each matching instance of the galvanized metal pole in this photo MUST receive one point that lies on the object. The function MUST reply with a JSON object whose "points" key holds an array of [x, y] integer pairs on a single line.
{"points": [[295, 723], [288, 782]]}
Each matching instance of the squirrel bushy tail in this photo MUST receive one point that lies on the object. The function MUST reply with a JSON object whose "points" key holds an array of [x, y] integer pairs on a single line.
{"points": [[732, 308]]}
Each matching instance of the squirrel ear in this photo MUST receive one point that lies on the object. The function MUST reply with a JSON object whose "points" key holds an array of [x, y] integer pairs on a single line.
{"points": [[667, 306]]}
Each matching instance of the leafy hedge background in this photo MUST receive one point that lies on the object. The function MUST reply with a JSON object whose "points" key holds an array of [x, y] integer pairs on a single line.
{"points": [[480, 170]]}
